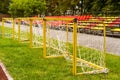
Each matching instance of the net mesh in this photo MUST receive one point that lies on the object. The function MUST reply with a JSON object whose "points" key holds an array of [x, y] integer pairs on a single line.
{"points": [[60, 41], [8, 28], [16, 29], [57, 38], [37, 33], [24, 30], [90, 47]]}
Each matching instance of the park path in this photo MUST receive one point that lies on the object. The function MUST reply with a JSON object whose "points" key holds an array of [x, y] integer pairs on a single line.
{"points": [[93, 41]]}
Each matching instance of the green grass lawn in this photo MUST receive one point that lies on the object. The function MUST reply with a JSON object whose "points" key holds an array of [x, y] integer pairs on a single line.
{"points": [[24, 63]]}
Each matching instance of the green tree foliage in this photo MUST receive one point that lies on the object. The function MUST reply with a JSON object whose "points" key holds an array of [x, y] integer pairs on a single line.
{"points": [[20, 8], [112, 5], [69, 5], [58, 7], [52, 6], [4, 6]]}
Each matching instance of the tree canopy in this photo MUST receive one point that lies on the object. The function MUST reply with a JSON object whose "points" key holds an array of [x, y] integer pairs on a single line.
{"points": [[20, 8], [58, 7], [4, 6]]}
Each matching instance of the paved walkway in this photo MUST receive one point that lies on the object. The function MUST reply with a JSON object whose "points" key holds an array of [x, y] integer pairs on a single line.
{"points": [[93, 41]]}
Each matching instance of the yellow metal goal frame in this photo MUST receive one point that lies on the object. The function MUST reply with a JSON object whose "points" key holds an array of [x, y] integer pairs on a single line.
{"points": [[74, 56], [3, 27], [74, 53]]}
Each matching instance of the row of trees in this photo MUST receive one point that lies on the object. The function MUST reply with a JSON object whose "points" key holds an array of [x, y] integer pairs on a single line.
{"points": [[4, 5], [83, 6], [26, 7], [57, 7]]}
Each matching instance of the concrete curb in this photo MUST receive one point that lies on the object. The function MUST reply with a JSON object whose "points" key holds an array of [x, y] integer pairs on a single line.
{"points": [[5, 71]]}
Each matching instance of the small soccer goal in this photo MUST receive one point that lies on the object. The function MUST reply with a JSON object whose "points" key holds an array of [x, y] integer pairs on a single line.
{"points": [[90, 50], [56, 37], [22, 29], [7, 28], [36, 32], [61, 39]]}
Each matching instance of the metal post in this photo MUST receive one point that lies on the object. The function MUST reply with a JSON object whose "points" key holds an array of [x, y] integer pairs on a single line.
{"points": [[3, 28], [44, 38], [104, 46], [74, 46], [30, 33], [27, 32], [67, 38], [19, 30], [13, 29]]}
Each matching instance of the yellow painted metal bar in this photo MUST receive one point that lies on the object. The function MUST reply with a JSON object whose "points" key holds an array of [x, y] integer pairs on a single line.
{"points": [[36, 18], [3, 28], [44, 38], [13, 29], [74, 47], [19, 30], [67, 41], [92, 72], [8, 18], [48, 35], [91, 21], [88, 63], [104, 46], [23, 18], [37, 47], [30, 33], [65, 19], [58, 56], [30, 18], [27, 32], [67, 45]]}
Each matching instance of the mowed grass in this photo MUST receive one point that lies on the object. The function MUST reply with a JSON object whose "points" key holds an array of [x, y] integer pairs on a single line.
{"points": [[24, 63]]}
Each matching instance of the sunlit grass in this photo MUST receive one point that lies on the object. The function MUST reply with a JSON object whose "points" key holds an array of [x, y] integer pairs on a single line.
{"points": [[24, 63]]}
